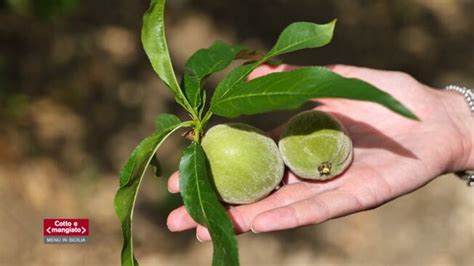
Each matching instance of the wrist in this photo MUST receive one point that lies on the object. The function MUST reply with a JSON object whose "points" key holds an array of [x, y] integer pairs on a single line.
{"points": [[463, 125]]}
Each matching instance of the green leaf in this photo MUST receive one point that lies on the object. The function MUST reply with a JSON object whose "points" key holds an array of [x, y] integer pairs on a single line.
{"points": [[296, 36], [288, 90], [235, 77], [302, 35], [204, 63], [130, 178], [165, 121], [156, 48], [204, 207]]}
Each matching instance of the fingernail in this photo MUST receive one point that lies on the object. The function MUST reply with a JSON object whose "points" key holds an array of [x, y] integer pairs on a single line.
{"points": [[200, 240], [168, 187], [170, 226], [253, 229]]}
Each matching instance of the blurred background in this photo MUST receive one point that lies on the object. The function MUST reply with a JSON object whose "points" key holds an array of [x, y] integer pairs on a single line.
{"points": [[77, 94]]}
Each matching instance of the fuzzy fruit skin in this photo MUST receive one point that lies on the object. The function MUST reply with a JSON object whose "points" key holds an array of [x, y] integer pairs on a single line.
{"points": [[245, 164], [315, 145]]}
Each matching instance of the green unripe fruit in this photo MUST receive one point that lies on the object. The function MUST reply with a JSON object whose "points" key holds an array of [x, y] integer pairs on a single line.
{"points": [[246, 165], [315, 145]]}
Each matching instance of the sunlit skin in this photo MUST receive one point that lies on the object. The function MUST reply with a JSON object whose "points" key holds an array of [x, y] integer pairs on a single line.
{"points": [[393, 156]]}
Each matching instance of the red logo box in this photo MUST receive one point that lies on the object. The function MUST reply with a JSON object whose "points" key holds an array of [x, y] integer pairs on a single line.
{"points": [[65, 227]]}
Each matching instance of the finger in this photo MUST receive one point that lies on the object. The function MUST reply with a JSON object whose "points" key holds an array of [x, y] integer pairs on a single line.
{"points": [[173, 183], [267, 69], [179, 220], [314, 210], [243, 215], [202, 234]]}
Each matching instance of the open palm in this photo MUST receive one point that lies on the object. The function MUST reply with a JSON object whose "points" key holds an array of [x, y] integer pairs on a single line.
{"points": [[392, 156]]}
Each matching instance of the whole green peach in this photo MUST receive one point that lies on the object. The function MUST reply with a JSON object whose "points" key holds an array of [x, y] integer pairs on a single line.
{"points": [[315, 145], [245, 164]]}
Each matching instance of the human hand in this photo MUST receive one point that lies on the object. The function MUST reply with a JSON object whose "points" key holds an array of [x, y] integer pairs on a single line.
{"points": [[392, 157]]}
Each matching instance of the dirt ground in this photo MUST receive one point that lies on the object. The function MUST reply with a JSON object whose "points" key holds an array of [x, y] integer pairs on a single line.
{"points": [[77, 94]]}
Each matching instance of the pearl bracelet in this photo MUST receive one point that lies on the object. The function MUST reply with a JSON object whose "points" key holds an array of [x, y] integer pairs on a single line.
{"points": [[467, 93], [469, 96]]}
